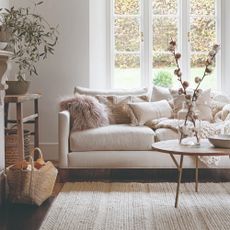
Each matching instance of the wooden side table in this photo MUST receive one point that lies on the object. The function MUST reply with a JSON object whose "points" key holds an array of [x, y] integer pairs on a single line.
{"points": [[172, 147], [20, 120]]}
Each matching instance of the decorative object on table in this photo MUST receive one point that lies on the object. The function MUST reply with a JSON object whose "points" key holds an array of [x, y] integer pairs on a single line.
{"points": [[223, 139], [31, 39], [220, 141], [192, 129], [29, 183]]}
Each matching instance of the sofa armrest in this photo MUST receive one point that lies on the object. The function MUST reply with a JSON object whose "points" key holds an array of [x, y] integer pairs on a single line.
{"points": [[63, 137]]}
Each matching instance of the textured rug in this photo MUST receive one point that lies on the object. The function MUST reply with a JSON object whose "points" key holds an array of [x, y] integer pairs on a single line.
{"points": [[139, 206]]}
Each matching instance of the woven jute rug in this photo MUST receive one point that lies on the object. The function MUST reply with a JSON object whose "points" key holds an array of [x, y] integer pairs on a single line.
{"points": [[139, 206]]}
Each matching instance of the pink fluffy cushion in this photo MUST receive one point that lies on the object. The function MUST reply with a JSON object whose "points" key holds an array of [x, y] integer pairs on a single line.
{"points": [[86, 112]]}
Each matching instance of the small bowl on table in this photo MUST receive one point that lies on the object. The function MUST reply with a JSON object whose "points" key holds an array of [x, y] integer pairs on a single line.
{"points": [[220, 141]]}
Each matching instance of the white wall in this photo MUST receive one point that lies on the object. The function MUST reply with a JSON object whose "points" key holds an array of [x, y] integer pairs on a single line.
{"points": [[4, 3], [68, 67]]}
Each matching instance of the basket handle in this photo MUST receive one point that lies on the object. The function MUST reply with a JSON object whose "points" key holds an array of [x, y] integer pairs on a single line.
{"points": [[39, 152], [31, 161]]}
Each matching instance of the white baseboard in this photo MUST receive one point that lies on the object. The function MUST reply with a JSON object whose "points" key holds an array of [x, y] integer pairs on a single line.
{"points": [[50, 151]]}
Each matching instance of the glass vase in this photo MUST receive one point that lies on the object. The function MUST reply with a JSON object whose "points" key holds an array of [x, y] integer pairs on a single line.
{"points": [[189, 125]]}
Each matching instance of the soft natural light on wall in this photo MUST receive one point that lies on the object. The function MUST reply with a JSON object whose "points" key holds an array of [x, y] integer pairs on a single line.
{"points": [[4, 3]]}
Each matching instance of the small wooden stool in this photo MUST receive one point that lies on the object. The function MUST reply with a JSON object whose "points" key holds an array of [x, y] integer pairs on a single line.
{"points": [[20, 121]]}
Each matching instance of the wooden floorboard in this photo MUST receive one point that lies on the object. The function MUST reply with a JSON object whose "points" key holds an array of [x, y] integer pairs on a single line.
{"points": [[27, 217]]}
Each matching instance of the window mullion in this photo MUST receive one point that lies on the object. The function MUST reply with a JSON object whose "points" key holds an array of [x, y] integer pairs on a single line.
{"points": [[146, 53], [219, 62], [110, 43], [184, 39]]}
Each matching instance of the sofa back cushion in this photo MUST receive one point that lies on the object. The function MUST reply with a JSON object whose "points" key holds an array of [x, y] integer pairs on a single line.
{"points": [[117, 107], [120, 92], [86, 112], [160, 93]]}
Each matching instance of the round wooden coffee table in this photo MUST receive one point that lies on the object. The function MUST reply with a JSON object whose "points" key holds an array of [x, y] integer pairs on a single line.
{"points": [[172, 147]]}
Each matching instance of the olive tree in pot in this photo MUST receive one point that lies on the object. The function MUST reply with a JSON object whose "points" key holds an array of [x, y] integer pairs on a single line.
{"points": [[31, 39]]}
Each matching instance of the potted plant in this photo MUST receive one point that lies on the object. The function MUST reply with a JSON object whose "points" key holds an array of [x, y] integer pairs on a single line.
{"points": [[31, 39]]}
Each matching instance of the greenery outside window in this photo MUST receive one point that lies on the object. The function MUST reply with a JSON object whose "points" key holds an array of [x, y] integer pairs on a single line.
{"points": [[140, 33]]}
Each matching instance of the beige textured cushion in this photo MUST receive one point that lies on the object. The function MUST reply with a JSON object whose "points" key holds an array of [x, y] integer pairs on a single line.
{"points": [[147, 111], [121, 92], [118, 108], [160, 93], [112, 137], [203, 104]]}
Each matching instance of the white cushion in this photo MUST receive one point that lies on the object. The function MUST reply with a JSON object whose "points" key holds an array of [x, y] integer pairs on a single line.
{"points": [[160, 93], [203, 104], [120, 92], [165, 134], [113, 137], [147, 111], [220, 96]]}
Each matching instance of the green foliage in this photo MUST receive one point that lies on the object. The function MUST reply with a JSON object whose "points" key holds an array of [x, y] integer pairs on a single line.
{"points": [[163, 78], [128, 36], [122, 7], [31, 37]]}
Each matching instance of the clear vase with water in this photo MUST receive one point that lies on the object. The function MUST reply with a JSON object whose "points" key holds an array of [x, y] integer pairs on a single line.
{"points": [[189, 125]]}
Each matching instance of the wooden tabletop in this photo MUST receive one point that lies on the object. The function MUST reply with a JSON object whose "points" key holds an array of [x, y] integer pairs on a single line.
{"points": [[204, 149], [21, 98]]}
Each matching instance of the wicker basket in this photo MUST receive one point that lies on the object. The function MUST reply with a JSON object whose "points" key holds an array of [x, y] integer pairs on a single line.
{"points": [[31, 186], [11, 146]]}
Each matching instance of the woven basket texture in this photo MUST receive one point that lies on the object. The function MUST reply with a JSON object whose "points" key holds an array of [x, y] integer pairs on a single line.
{"points": [[12, 146], [31, 186]]}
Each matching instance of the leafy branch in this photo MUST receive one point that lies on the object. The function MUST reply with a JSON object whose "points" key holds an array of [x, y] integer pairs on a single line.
{"points": [[31, 38]]}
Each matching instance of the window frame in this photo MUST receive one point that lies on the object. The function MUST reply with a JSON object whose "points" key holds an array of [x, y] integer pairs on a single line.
{"points": [[146, 46]]}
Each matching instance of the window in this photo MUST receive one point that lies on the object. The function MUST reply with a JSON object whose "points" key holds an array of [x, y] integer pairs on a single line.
{"points": [[127, 45], [140, 33]]}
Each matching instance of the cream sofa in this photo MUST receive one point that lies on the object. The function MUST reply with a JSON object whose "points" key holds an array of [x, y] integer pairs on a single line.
{"points": [[116, 146]]}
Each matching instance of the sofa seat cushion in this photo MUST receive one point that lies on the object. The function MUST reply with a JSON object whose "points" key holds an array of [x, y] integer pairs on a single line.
{"points": [[165, 134], [112, 137]]}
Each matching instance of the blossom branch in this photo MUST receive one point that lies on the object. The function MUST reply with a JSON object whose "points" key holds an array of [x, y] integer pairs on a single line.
{"points": [[196, 92]]}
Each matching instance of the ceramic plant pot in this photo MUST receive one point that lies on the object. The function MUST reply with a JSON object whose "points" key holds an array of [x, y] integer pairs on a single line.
{"points": [[17, 87]]}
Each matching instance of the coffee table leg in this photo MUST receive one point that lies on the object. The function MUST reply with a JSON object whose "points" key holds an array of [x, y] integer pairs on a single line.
{"points": [[197, 175], [180, 169]]}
